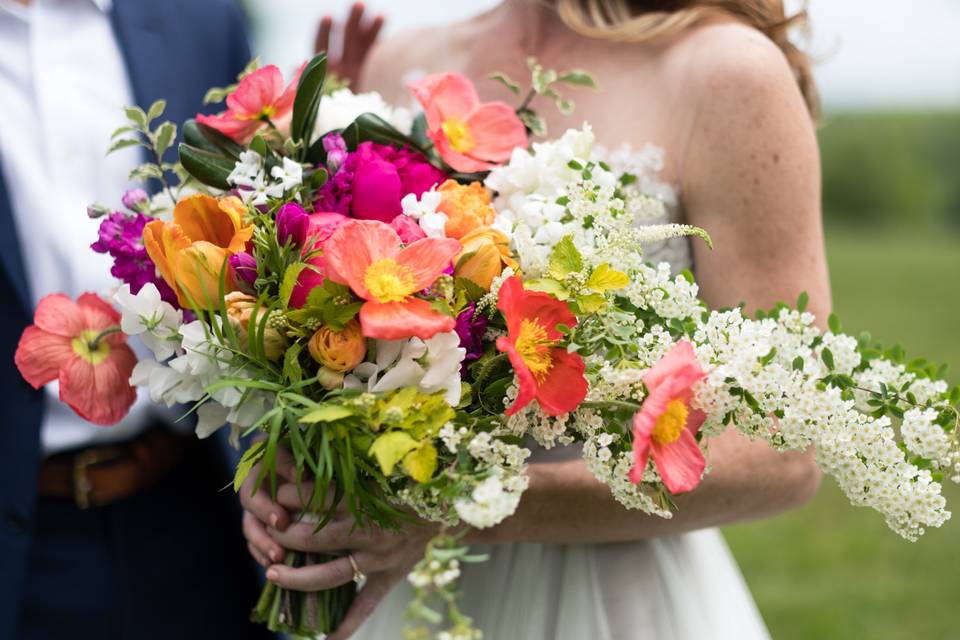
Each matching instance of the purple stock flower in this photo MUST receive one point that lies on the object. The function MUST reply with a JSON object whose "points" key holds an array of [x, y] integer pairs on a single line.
{"points": [[244, 267], [336, 150], [470, 328], [121, 236], [135, 199], [293, 223]]}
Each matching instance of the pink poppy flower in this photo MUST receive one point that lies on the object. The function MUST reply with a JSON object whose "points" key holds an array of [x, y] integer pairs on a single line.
{"points": [[259, 97], [666, 425], [469, 135], [80, 345]]}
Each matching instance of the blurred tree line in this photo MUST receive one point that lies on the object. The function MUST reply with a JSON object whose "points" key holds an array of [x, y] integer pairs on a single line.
{"points": [[892, 169]]}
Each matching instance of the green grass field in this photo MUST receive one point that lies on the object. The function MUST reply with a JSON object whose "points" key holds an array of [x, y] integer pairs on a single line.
{"points": [[829, 570]]}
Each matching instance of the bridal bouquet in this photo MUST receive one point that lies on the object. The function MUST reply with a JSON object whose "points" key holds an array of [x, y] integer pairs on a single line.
{"points": [[406, 301]]}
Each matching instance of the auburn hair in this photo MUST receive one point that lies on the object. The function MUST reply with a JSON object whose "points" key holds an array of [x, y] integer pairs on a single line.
{"points": [[646, 20]]}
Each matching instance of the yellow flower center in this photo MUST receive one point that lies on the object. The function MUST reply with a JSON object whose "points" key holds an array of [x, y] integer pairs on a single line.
{"points": [[389, 281], [534, 348], [84, 347], [264, 114], [459, 135], [671, 422]]}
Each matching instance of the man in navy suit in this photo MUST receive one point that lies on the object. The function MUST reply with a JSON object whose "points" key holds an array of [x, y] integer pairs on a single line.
{"points": [[121, 532]]}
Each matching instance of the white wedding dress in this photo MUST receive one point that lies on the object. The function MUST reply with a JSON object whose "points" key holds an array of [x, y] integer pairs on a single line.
{"points": [[683, 587]]}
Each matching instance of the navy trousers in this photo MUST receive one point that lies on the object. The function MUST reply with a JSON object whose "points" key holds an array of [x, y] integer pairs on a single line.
{"points": [[169, 563]]}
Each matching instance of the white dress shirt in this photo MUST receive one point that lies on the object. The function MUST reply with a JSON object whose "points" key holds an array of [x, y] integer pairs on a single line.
{"points": [[63, 86]]}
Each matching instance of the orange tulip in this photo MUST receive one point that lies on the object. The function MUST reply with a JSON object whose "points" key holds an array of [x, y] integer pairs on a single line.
{"points": [[467, 207], [485, 253], [191, 251]]}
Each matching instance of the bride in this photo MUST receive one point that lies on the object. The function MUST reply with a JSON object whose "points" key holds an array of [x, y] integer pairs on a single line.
{"points": [[717, 85]]}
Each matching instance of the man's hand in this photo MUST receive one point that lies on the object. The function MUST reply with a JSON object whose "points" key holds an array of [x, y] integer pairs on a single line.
{"points": [[359, 34]]}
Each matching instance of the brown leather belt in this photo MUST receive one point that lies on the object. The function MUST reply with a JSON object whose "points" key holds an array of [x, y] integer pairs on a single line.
{"points": [[102, 475]]}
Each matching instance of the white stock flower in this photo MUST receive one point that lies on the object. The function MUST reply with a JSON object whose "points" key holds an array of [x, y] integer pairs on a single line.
{"points": [[424, 211], [246, 169]]}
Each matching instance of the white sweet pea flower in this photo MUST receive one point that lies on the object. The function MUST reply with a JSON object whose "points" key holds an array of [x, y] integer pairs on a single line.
{"points": [[290, 174], [432, 366], [146, 315]]}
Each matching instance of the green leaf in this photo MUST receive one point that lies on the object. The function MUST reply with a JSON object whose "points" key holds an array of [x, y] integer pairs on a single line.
{"points": [[144, 172], [505, 80], [123, 143], [802, 302], [292, 371], [290, 277], [156, 110], [798, 363], [421, 463], [250, 458], [307, 101], [327, 413], [533, 122], [833, 322], [591, 303], [565, 259], [390, 448], [548, 285], [121, 131], [165, 135], [211, 169], [827, 356], [577, 78], [207, 138], [372, 128], [605, 279], [137, 117]]}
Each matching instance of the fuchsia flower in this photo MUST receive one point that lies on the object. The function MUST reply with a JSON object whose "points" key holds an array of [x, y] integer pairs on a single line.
{"points": [[407, 228], [372, 180], [666, 425], [80, 345], [258, 98], [471, 327], [368, 256], [293, 224], [469, 135]]}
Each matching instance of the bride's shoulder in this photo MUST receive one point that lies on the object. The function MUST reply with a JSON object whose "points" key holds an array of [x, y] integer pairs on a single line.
{"points": [[729, 57]]}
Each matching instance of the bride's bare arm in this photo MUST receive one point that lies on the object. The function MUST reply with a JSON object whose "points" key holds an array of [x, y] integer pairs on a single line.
{"points": [[751, 177]]}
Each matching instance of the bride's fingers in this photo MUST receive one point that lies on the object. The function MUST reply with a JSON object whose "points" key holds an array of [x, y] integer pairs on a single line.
{"points": [[260, 505], [258, 539], [334, 536], [373, 592], [318, 577], [322, 40]]}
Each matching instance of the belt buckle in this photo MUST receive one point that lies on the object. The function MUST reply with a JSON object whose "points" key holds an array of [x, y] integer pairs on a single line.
{"points": [[82, 487]]}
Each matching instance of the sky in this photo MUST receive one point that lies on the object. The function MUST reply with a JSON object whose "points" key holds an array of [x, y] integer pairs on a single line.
{"points": [[871, 54]]}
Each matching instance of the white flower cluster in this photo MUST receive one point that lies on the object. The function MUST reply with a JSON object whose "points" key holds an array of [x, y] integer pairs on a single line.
{"points": [[342, 107], [250, 177], [188, 361], [435, 573], [492, 501]]}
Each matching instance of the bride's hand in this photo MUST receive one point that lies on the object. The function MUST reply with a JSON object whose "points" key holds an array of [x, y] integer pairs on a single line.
{"points": [[359, 35], [384, 557]]}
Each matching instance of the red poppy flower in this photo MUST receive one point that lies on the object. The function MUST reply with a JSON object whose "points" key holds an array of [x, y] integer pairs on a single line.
{"points": [[545, 371]]}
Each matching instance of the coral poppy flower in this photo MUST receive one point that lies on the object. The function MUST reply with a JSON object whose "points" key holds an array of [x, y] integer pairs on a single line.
{"points": [[666, 425], [545, 371], [367, 255], [80, 345], [258, 98], [469, 135], [190, 251]]}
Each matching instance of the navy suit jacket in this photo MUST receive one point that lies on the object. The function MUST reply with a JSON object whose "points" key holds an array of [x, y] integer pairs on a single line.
{"points": [[175, 50]]}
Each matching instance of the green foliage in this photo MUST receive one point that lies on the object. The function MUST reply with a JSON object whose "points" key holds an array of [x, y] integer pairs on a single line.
{"points": [[307, 101], [156, 140], [892, 168]]}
